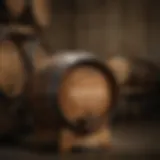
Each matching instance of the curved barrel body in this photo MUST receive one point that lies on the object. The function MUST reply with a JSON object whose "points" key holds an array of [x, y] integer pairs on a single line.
{"points": [[74, 92]]}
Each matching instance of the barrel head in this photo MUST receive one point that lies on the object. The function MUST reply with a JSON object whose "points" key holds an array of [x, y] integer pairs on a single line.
{"points": [[41, 10], [97, 141], [12, 75], [139, 88], [12, 81], [84, 92], [120, 67], [73, 88], [16, 7]]}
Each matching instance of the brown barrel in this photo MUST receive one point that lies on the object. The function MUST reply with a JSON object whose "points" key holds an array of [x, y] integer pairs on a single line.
{"points": [[13, 79], [41, 10], [15, 8], [139, 86], [133, 71], [38, 10], [76, 91], [12, 76], [120, 67]]}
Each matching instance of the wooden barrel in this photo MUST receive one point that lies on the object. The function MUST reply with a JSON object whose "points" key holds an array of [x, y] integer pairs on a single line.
{"points": [[16, 8], [134, 71], [75, 92], [12, 76], [41, 10], [24, 10], [139, 87], [13, 79], [120, 67]]}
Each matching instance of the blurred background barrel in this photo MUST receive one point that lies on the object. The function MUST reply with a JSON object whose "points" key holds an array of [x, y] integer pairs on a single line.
{"points": [[12, 81], [20, 57], [36, 12], [13, 73], [75, 91], [140, 86]]}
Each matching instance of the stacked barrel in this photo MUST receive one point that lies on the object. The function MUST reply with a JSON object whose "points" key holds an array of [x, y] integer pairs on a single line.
{"points": [[68, 92], [37, 12], [16, 67], [63, 100], [71, 98], [139, 84]]}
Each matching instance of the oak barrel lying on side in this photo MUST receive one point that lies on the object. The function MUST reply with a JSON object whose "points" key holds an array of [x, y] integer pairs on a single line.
{"points": [[12, 81], [14, 76], [139, 86], [71, 99], [39, 10]]}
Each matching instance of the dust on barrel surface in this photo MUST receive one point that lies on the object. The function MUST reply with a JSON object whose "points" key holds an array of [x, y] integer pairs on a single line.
{"points": [[40, 10]]}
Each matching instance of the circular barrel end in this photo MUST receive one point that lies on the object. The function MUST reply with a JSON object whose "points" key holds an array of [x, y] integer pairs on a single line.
{"points": [[15, 7], [12, 76], [42, 12], [120, 67], [87, 92]]}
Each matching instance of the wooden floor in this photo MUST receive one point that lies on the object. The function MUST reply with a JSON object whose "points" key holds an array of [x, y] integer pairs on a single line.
{"points": [[131, 140]]}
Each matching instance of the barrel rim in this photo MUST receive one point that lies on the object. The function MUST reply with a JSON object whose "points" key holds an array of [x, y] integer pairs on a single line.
{"points": [[107, 75], [143, 61]]}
